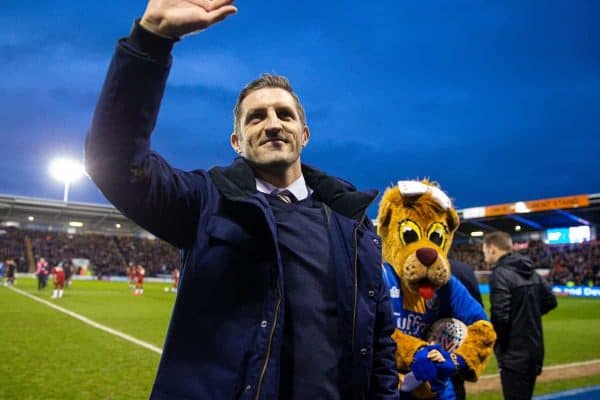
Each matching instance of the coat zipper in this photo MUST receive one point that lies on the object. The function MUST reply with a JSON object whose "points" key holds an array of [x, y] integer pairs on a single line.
{"points": [[268, 355], [355, 280]]}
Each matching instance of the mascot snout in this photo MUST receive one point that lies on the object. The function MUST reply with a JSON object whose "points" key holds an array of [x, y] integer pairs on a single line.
{"points": [[427, 256]]}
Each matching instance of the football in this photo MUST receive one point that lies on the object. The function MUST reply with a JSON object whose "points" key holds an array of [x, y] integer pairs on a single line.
{"points": [[449, 332]]}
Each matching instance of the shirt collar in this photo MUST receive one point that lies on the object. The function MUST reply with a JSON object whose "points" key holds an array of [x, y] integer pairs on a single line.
{"points": [[298, 188]]}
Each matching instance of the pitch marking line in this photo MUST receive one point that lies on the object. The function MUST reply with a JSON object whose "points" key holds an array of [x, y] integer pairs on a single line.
{"points": [[88, 321]]}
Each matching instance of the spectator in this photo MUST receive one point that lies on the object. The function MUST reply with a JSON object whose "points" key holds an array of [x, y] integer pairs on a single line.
{"points": [[518, 297]]}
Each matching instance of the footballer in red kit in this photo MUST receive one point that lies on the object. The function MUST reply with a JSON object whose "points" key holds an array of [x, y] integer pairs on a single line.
{"points": [[58, 275], [139, 273]]}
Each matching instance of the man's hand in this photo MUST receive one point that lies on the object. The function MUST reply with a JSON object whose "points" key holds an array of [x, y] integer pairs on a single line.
{"points": [[175, 18]]}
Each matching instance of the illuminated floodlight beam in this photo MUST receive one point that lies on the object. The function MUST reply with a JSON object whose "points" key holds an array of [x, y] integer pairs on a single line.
{"points": [[66, 171]]}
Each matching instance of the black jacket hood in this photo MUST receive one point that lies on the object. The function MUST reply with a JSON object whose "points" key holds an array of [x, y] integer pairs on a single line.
{"points": [[518, 263]]}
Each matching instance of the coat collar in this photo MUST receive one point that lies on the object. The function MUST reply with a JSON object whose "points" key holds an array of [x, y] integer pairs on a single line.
{"points": [[236, 182]]}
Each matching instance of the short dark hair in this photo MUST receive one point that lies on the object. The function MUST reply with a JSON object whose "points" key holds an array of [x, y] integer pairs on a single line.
{"points": [[501, 240], [263, 82]]}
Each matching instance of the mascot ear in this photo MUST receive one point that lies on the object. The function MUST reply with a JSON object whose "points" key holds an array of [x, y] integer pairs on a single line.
{"points": [[453, 220], [385, 210], [383, 218]]}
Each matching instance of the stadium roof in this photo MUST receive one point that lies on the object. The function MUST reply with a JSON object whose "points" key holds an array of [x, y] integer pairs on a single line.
{"points": [[532, 216], [43, 214]]}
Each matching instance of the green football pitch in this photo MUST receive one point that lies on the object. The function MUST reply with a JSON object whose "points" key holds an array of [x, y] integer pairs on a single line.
{"points": [[47, 354]]}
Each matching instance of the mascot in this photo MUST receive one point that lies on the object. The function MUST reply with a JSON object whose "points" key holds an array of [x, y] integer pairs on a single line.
{"points": [[416, 222]]}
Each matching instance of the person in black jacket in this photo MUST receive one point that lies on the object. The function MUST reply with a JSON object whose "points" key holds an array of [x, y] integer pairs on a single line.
{"points": [[518, 297], [466, 275]]}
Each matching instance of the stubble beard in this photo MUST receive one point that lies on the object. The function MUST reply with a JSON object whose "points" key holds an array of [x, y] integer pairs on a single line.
{"points": [[273, 165]]}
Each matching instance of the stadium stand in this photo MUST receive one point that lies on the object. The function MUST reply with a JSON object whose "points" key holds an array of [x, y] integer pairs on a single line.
{"points": [[107, 254], [32, 228], [558, 234], [569, 264]]}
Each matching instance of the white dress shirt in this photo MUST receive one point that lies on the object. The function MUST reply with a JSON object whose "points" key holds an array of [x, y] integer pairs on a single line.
{"points": [[298, 188]]}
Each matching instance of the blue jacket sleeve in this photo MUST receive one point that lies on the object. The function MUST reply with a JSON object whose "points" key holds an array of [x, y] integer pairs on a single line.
{"points": [[464, 306], [384, 378], [141, 184]]}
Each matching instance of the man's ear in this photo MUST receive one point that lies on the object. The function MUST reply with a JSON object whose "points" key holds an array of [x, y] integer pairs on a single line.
{"points": [[306, 133], [235, 142]]}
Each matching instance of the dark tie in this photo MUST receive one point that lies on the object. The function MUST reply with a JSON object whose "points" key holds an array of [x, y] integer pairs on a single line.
{"points": [[285, 195]]}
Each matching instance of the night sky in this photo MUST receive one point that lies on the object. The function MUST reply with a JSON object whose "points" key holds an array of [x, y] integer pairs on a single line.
{"points": [[498, 101]]}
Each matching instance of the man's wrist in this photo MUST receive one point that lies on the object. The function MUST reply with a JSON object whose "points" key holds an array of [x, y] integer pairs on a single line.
{"points": [[154, 29], [148, 43]]}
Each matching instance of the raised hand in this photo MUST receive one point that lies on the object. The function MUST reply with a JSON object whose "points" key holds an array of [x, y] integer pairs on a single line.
{"points": [[176, 18]]}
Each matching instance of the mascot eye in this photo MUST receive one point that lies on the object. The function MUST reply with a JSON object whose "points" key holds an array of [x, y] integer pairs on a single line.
{"points": [[437, 234], [409, 232]]}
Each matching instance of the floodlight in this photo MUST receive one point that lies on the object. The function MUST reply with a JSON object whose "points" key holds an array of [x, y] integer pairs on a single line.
{"points": [[66, 171]]}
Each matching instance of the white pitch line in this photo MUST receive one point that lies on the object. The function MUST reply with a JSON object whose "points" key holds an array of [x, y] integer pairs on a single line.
{"points": [[88, 321]]}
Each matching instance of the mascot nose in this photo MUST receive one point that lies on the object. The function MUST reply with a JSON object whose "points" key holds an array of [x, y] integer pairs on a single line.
{"points": [[427, 256]]}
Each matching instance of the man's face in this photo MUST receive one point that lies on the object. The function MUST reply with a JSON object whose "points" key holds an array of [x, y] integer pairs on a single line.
{"points": [[271, 132]]}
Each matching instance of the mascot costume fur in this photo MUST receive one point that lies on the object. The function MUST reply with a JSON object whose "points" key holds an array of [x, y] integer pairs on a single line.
{"points": [[416, 222]]}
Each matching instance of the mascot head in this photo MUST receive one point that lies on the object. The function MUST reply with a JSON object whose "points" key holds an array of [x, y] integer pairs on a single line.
{"points": [[416, 222]]}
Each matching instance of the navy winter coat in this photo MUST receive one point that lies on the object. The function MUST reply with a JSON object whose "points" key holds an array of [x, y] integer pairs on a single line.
{"points": [[225, 333]]}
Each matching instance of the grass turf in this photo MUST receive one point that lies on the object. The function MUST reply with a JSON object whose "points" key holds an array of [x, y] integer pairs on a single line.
{"points": [[46, 354], [544, 388]]}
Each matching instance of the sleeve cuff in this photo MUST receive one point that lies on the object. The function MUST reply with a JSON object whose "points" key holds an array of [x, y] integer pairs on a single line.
{"points": [[150, 44]]}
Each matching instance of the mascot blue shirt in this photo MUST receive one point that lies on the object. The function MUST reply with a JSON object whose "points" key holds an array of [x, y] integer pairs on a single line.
{"points": [[452, 300]]}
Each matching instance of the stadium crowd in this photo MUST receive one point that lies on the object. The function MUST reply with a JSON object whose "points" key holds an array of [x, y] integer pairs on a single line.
{"points": [[107, 255], [569, 264], [12, 247]]}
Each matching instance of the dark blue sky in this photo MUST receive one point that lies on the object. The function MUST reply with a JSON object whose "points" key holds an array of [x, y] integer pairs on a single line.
{"points": [[497, 100]]}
